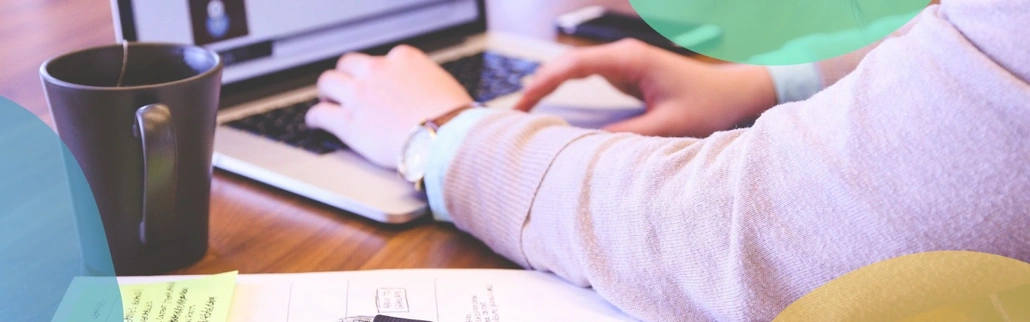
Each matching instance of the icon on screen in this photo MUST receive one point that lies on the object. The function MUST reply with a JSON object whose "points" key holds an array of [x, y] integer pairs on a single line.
{"points": [[217, 20]]}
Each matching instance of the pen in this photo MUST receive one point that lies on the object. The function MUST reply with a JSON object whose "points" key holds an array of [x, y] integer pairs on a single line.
{"points": [[379, 318]]}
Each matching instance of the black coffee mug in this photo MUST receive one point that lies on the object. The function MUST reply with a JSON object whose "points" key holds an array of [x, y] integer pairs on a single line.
{"points": [[145, 146]]}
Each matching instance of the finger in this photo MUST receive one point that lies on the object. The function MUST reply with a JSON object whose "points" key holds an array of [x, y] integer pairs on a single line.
{"points": [[356, 64], [608, 61], [404, 52], [652, 123], [549, 77], [336, 86], [330, 117]]}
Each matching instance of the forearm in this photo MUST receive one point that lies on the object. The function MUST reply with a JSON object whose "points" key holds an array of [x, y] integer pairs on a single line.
{"points": [[465, 152], [735, 226], [649, 223], [653, 224]]}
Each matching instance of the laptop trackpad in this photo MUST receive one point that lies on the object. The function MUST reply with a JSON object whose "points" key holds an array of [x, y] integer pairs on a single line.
{"points": [[590, 103]]}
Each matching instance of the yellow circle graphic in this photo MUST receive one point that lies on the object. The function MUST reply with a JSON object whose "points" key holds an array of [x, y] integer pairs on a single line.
{"points": [[931, 286]]}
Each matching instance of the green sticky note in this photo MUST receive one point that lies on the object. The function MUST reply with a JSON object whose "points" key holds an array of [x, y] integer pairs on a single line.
{"points": [[204, 299]]}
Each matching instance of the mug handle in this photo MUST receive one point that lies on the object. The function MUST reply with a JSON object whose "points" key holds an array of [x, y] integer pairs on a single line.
{"points": [[160, 166]]}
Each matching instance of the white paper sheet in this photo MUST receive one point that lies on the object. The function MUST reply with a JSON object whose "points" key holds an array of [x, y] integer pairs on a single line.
{"points": [[474, 295]]}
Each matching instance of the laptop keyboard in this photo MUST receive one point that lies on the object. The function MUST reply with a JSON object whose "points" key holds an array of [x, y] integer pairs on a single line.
{"points": [[286, 124], [485, 76]]}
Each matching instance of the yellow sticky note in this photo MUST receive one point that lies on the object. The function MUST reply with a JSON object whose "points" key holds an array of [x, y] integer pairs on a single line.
{"points": [[204, 299], [193, 299]]}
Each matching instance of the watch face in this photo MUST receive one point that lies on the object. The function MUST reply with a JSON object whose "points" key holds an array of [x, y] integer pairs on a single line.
{"points": [[416, 153]]}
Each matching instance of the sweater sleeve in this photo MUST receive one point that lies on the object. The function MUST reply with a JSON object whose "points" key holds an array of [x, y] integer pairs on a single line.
{"points": [[799, 82], [916, 150], [833, 69]]}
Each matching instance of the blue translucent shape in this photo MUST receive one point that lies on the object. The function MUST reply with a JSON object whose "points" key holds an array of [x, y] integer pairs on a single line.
{"points": [[50, 228]]}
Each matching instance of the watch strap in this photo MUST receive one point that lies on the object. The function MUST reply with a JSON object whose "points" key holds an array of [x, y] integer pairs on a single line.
{"points": [[436, 122]]}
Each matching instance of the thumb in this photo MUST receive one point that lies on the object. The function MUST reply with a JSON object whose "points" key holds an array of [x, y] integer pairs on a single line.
{"points": [[330, 117]]}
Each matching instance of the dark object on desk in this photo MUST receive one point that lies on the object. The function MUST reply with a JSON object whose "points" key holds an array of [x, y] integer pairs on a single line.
{"points": [[383, 318], [145, 148], [484, 75], [600, 24], [379, 318]]}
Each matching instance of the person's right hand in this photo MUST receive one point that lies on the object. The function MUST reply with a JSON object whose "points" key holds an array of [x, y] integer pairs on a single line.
{"points": [[684, 97]]}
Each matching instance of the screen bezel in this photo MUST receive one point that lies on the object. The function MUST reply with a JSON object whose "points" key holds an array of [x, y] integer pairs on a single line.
{"points": [[127, 21], [244, 90]]}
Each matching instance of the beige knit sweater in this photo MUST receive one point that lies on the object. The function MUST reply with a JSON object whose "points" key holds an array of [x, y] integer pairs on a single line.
{"points": [[924, 146]]}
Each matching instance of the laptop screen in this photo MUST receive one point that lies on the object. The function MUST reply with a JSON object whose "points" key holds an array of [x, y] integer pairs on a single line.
{"points": [[257, 37]]}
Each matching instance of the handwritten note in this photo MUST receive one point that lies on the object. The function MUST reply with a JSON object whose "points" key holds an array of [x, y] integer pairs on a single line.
{"points": [[487, 295], [392, 300], [200, 299], [204, 299]]}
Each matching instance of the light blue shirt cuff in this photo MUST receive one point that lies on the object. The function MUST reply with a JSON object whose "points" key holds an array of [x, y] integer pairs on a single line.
{"points": [[442, 151], [795, 82]]}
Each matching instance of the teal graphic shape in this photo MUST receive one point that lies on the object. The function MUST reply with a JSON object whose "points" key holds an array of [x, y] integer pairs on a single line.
{"points": [[777, 32], [50, 228]]}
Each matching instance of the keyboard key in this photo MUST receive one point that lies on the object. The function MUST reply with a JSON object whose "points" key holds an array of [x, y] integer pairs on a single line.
{"points": [[287, 125], [488, 75]]}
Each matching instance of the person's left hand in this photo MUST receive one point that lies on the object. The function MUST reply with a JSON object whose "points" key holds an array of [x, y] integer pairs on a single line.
{"points": [[372, 103]]}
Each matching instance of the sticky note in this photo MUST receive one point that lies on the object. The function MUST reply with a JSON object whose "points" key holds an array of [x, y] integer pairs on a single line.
{"points": [[201, 299], [204, 299]]}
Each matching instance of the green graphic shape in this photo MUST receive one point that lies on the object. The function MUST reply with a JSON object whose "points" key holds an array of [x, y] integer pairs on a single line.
{"points": [[50, 228], [776, 32]]}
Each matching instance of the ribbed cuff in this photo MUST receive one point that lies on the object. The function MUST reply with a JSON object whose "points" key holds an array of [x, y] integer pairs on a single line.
{"points": [[795, 82], [496, 173], [446, 144]]}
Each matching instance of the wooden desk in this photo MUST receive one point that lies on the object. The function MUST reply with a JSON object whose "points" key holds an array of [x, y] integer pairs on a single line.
{"points": [[256, 228]]}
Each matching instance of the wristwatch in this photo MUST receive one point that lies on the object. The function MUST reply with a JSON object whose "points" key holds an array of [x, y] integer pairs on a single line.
{"points": [[411, 165]]}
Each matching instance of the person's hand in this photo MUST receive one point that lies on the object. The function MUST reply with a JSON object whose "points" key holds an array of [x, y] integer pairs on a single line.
{"points": [[371, 103], [684, 97]]}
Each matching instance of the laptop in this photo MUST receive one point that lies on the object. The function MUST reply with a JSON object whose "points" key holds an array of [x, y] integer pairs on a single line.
{"points": [[274, 51]]}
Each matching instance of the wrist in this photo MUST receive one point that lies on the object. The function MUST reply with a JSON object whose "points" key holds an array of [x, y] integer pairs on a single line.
{"points": [[794, 82], [415, 151], [755, 90], [444, 151]]}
